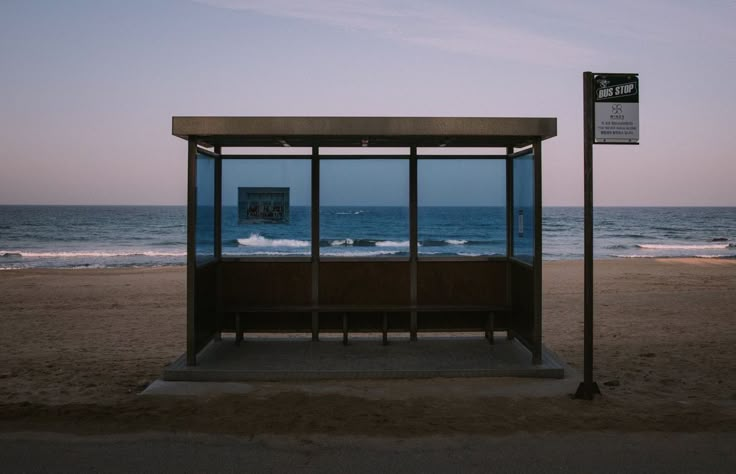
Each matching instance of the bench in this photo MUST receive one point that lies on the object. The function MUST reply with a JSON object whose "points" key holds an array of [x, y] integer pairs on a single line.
{"points": [[241, 311]]}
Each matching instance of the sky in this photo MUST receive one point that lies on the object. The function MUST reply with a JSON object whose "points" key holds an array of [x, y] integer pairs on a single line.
{"points": [[88, 88]]}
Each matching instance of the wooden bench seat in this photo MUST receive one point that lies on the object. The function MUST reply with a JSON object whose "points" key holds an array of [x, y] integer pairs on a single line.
{"points": [[241, 311]]}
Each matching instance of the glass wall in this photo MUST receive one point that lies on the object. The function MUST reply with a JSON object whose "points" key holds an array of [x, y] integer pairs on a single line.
{"points": [[266, 207], [462, 207], [523, 216], [205, 226], [364, 207]]}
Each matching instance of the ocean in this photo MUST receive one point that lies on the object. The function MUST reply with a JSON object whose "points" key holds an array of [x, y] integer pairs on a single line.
{"points": [[150, 236]]}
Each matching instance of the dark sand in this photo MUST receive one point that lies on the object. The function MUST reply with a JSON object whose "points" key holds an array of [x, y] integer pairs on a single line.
{"points": [[79, 345]]}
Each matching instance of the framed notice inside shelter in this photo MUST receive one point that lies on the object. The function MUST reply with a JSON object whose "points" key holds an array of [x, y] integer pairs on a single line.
{"points": [[263, 205]]}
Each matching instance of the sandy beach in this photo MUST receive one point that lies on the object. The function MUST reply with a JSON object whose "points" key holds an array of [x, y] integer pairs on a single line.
{"points": [[79, 345]]}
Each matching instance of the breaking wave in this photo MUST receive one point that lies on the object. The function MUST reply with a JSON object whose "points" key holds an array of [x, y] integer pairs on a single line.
{"points": [[684, 246], [257, 240], [92, 254], [715, 256], [349, 213]]}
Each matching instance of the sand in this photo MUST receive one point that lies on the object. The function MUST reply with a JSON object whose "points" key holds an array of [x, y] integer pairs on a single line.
{"points": [[79, 345]]}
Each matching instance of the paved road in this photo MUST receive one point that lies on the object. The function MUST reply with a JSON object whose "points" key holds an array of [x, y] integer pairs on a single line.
{"points": [[518, 453]]}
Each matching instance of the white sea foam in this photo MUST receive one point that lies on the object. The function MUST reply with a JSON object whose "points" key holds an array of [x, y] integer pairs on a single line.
{"points": [[374, 253], [94, 254], [456, 242], [257, 240], [10, 254], [682, 247], [391, 243], [270, 254], [342, 243], [351, 213], [714, 256], [324, 253], [634, 256]]}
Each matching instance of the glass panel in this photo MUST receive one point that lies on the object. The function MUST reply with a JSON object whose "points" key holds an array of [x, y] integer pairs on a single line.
{"points": [[523, 217], [364, 208], [266, 207], [462, 207], [205, 227]]}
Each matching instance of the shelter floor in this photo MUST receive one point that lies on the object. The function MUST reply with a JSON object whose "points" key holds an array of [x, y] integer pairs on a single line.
{"points": [[298, 358]]}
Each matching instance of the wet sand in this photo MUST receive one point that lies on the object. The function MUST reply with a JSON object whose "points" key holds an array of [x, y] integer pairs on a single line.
{"points": [[79, 345]]}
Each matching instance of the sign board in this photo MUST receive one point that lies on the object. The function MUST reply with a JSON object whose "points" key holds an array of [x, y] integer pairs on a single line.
{"points": [[263, 205], [616, 112]]}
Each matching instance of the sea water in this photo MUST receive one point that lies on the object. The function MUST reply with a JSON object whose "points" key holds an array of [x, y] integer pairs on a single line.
{"points": [[145, 236]]}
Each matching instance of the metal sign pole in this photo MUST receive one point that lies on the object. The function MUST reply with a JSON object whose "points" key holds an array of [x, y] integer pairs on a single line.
{"points": [[611, 117], [588, 387]]}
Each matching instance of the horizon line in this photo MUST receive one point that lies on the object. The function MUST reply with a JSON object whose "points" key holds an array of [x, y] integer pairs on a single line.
{"points": [[382, 205]]}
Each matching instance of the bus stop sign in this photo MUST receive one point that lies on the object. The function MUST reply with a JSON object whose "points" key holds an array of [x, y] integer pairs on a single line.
{"points": [[616, 113]]}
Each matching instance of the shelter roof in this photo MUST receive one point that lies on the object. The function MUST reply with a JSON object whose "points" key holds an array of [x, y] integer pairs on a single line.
{"points": [[364, 131]]}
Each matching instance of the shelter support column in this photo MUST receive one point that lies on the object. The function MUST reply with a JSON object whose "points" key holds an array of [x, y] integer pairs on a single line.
{"points": [[191, 250], [218, 203], [315, 242], [413, 244], [509, 226], [218, 243], [537, 333]]}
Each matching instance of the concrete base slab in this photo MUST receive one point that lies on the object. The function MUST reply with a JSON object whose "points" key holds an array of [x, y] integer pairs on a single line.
{"points": [[197, 389], [274, 359], [456, 389]]}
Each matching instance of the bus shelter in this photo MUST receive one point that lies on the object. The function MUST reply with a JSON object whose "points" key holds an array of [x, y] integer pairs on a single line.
{"points": [[312, 293]]}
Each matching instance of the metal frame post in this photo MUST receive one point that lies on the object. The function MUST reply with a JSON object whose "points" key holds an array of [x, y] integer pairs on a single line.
{"points": [[588, 388], [413, 244], [218, 202], [315, 241], [509, 202], [218, 243], [537, 334], [509, 227], [191, 250]]}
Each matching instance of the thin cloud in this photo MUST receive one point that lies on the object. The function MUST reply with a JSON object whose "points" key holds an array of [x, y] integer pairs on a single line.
{"points": [[424, 24], [667, 22]]}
